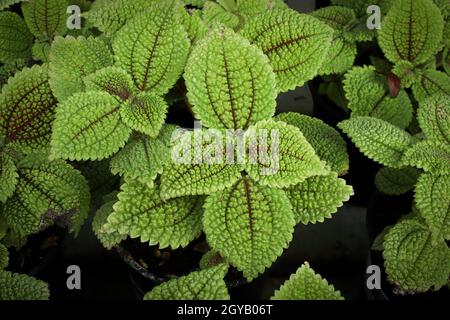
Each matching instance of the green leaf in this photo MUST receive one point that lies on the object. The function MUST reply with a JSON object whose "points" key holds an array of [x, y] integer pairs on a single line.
{"points": [[215, 15], [341, 56], [153, 48], [326, 141], [108, 240], [141, 159], [318, 198], [248, 9], [7, 3], [145, 113], [45, 18], [46, 191], [141, 212], [194, 25], [9, 69], [429, 156], [197, 167], [337, 17], [88, 127], [360, 6], [4, 257], [396, 181], [279, 155], [230, 82], [205, 284], [431, 83], [112, 80], [378, 140], [412, 263], [433, 200], [72, 59], [434, 119], [411, 31], [15, 38], [14, 286], [368, 95], [210, 259], [27, 108], [446, 60], [8, 176], [305, 284], [41, 51], [249, 225], [296, 44]]}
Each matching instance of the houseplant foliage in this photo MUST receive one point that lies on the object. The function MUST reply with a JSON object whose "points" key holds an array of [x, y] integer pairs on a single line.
{"points": [[400, 119]]}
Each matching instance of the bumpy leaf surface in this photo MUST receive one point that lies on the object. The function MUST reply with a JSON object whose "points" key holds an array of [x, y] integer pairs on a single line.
{"points": [[411, 31], [15, 38], [433, 201], [215, 15], [115, 81], [377, 139], [318, 198], [412, 262], [305, 284], [142, 213], [8, 176], [88, 126], [431, 82], [45, 18], [279, 155], [249, 225], [41, 51], [326, 141], [296, 44], [434, 118], [230, 82], [108, 240], [153, 48], [206, 284], [14, 286], [72, 59], [429, 156], [4, 257], [396, 181], [27, 108], [368, 95]]}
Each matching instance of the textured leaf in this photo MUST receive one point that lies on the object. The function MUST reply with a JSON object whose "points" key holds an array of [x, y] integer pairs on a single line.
{"points": [[429, 156], [14, 286], [341, 57], [45, 191], [4, 257], [252, 8], [8, 70], [412, 31], [377, 139], [7, 3], [431, 82], [229, 82], [72, 59], [434, 118], [318, 198], [113, 80], [210, 259], [433, 201], [194, 25], [446, 60], [8, 176], [215, 15], [197, 168], [141, 159], [27, 108], [411, 261], [108, 240], [206, 284], [249, 225], [305, 284], [142, 213], [360, 6], [279, 155], [396, 181], [326, 141], [153, 49], [296, 44], [145, 113], [41, 51], [337, 17], [15, 38], [88, 126], [368, 95], [45, 18]]}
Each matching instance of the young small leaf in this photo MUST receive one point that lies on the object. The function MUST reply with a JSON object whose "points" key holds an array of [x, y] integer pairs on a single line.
{"points": [[412, 262], [318, 198], [14, 286], [296, 44], [377, 139], [88, 127], [113, 80], [205, 284], [16, 40], [108, 240], [279, 155], [45, 18], [230, 82], [434, 118], [396, 181], [142, 213], [305, 284], [249, 225]]}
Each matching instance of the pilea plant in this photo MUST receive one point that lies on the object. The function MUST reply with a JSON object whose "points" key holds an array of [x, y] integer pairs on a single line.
{"points": [[231, 60], [411, 142]]}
